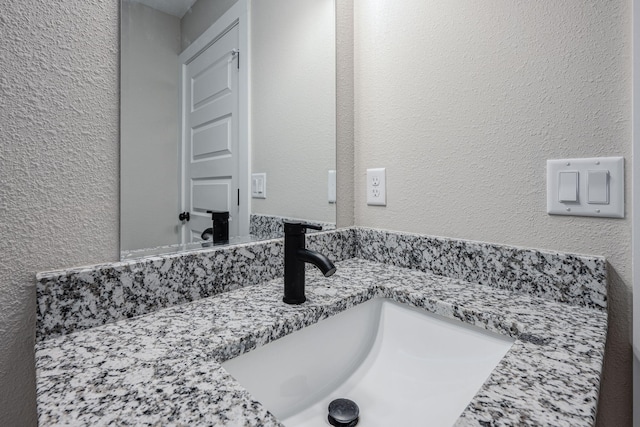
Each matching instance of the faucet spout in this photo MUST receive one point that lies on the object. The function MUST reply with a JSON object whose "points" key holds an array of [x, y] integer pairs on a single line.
{"points": [[323, 263], [295, 257]]}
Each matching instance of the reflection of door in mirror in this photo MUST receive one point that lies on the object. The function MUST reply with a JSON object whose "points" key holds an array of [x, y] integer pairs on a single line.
{"points": [[210, 159], [182, 152], [173, 158]]}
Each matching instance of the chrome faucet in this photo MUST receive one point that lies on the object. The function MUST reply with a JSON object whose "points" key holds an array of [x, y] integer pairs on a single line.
{"points": [[295, 257]]}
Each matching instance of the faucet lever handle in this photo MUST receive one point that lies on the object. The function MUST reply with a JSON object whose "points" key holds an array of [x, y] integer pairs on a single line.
{"points": [[298, 227], [311, 226]]}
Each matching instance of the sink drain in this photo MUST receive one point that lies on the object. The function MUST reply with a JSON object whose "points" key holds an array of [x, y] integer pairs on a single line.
{"points": [[343, 413]]}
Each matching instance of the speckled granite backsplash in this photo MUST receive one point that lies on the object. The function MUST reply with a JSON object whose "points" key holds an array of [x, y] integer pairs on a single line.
{"points": [[271, 226], [568, 278], [81, 298]]}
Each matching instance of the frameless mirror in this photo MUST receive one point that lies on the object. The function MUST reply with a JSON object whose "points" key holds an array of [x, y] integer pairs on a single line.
{"points": [[226, 105]]}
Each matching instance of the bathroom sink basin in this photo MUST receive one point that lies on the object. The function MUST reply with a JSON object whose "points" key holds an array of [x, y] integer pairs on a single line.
{"points": [[400, 365]]}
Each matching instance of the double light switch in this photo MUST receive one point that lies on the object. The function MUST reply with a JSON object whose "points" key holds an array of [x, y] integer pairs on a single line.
{"points": [[586, 187], [597, 187]]}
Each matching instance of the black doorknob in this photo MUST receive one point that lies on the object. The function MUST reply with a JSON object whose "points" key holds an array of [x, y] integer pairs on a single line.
{"points": [[184, 216]]}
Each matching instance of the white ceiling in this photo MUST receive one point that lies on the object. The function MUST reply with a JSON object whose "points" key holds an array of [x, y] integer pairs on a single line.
{"points": [[172, 7]]}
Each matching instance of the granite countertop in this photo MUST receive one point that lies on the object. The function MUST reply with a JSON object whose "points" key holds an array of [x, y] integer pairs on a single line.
{"points": [[163, 368]]}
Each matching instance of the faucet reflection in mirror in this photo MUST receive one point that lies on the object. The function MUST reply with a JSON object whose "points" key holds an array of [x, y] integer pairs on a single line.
{"points": [[285, 116]]}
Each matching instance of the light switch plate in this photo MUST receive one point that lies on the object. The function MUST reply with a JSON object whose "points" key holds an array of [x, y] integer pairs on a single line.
{"points": [[581, 207], [376, 187], [259, 185], [331, 193]]}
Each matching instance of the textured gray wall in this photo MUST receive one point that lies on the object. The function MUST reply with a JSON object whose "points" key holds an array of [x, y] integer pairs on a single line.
{"points": [[463, 102], [59, 156]]}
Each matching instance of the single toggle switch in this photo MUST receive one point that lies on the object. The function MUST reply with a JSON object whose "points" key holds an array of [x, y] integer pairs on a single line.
{"points": [[332, 186], [259, 185], [568, 187], [598, 187]]}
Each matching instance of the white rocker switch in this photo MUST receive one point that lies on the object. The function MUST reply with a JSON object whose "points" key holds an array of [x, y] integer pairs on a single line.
{"points": [[598, 187], [568, 187]]}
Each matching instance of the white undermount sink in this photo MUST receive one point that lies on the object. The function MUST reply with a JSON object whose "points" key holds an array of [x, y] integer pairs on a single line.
{"points": [[401, 365]]}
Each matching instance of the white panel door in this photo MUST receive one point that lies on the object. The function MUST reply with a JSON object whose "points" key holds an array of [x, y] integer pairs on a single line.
{"points": [[210, 139]]}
